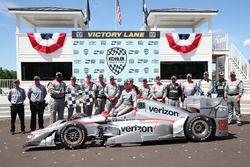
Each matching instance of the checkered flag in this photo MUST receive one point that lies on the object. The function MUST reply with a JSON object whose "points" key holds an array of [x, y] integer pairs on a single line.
{"points": [[73, 100], [89, 99], [116, 59]]}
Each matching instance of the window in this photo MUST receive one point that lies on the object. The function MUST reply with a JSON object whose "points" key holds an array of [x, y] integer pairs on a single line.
{"points": [[180, 69], [46, 71]]}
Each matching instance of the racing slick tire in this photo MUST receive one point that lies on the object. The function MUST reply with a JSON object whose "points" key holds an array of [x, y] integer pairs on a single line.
{"points": [[73, 136], [199, 128], [77, 116]]}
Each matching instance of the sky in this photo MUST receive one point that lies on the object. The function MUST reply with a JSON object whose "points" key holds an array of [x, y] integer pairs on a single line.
{"points": [[233, 18]]}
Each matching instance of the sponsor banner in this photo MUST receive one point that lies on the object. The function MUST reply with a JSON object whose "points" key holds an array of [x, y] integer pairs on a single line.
{"points": [[123, 54]]}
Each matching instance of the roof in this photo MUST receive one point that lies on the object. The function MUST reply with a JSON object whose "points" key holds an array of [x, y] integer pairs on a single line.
{"points": [[50, 17], [179, 17]]}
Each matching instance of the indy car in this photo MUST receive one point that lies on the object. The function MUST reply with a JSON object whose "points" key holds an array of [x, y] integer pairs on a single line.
{"points": [[199, 120]]}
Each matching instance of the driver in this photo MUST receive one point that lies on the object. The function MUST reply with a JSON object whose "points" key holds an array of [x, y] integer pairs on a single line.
{"points": [[126, 102]]}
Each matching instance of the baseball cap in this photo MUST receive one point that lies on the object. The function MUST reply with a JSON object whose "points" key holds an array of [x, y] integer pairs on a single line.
{"points": [[173, 77], [88, 76], [126, 81], [58, 73], [221, 73], [100, 75], [232, 73], [72, 78], [16, 80], [36, 77], [145, 80], [157, 77], [189, 75], [205, 73], [111, 77]]}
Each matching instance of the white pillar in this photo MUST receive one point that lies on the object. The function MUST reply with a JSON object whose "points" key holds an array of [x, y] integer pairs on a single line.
{"points": [[193, 29], [17, 24], [75, 23], [226, 67], [210, 26], [155, 23]]}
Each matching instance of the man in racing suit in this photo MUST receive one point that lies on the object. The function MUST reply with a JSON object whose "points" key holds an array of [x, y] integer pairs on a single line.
{"points": [[233, 92], [144, 89], [188, 88], [126, 102], [205, 87], [158, 90], [112, 92], [100, 96], [89, 88], [174, 92], [134, 87], [220, 85]]}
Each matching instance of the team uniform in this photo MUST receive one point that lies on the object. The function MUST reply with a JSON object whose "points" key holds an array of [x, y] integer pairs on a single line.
{"points": [[220, 87], [205, 87], [57, 101], [174, 92], [100, 97], [158, 91], [188, 89], [111, 91], [73, 94], [16, 97], [37, 96], [233, 89], [144, 92], [126, 103], [88, 97]]}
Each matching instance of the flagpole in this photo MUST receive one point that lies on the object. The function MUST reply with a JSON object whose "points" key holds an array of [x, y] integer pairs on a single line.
{"points": [[115, 15]]}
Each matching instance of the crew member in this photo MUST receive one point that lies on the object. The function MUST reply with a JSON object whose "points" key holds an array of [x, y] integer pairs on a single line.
{"points": [[174, 92], [233, 92], [100, 96], [36, 95], [57, 89], [134, 87], [220, 85], [144, 89], [205, 87], [126, 102], [89, 88], [158, 90], [73, 90], [16, 97], [188, 87], [112, 92]]}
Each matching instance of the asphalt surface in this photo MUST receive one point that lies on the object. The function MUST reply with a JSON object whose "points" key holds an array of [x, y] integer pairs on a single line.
{"points": [[233, 150]]}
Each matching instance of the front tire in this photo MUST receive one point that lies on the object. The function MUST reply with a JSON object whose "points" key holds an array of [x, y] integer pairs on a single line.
{"points": [[199, 128], [73, 136]]}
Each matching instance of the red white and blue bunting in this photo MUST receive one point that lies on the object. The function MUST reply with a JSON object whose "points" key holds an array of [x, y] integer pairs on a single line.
{"points": [[47, 42], [183, 43]]}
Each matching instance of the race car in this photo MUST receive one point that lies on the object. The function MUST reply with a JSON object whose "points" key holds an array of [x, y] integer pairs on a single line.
{"points": [[200, 119]]}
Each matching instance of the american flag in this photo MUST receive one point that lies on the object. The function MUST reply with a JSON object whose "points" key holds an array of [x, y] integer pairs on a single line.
{"points": [[118, 12]]}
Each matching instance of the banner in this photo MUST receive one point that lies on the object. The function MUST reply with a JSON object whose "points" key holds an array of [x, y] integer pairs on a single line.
{"points": [[123, 54]]}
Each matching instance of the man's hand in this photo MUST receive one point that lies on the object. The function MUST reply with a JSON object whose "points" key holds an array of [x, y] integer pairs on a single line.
{"points": [[134, 111], [225, 98], [238, 99]]}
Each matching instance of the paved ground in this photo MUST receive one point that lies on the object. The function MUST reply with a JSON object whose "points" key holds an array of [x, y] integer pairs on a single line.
{"points": [[233, 150]]}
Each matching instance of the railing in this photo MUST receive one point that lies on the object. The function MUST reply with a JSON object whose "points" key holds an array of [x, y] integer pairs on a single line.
{"points": [[220, 42], [5, 85], [240, 61]]}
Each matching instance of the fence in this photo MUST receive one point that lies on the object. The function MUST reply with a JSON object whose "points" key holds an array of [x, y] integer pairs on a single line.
{"points": [[5, 85]]}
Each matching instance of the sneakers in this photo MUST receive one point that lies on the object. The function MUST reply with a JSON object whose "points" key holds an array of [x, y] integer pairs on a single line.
{"points": [[239, 123], [12, 132], [23, 132]]}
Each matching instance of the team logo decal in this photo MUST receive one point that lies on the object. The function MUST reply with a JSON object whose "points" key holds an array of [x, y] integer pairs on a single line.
{"points": [[116, 59], [85, 51], [146, 51]]}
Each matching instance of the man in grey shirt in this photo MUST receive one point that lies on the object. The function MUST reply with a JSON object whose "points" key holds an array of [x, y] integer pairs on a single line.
{"points": [[72, 91], [16, 97], [158, 90], [144, 89], [57, 89], [233, 92], [36, 95], [112, 92], [100, 96], [188, 88]]}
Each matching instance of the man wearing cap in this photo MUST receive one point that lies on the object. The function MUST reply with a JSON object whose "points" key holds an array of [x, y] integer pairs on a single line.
{"points": [[158, 90], [36, 95], [205, 87], [126, 102], [144, 89], [73, 90], [188, 87], [16, 97], [89, 99], [57, 89], [233, 92], [112, 92], [174, 92], [134, 87], [100, 96], [220, 85]]}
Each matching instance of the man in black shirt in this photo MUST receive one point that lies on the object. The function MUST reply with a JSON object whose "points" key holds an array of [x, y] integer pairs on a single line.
{"points": [[220, 85]]}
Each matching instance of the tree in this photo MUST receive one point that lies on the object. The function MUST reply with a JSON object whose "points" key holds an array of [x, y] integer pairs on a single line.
{"points": [[7, 74]]}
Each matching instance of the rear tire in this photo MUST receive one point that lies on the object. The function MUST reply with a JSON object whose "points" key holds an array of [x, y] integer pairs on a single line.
{"points": [[73, 136], [199, 128]]}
